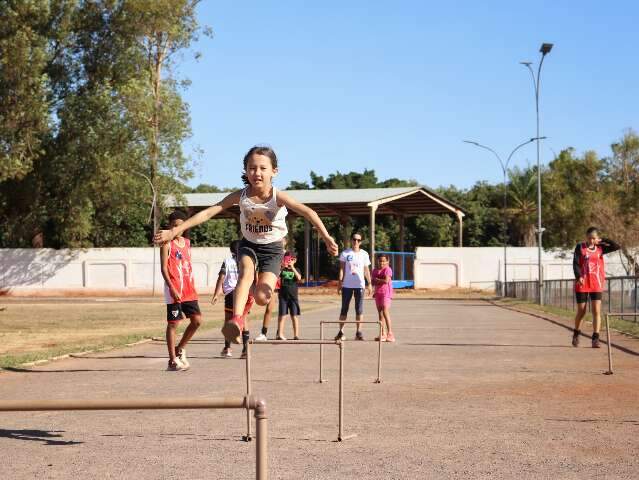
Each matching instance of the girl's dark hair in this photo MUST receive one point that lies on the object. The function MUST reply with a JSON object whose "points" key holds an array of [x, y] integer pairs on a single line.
{"points": [[258, 150], [382, 255], [178, 215], [592, 230], [235, 244]]}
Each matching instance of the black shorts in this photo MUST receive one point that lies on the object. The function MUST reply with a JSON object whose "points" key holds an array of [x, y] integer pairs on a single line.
{"points": [[289, 305], [267, 257], [582, 297], [347, 294], [177, 311], [228, 302]]}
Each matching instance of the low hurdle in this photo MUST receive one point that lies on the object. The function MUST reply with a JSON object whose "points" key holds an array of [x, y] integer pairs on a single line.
{"points": [[379, 349], [250, 403], [340, 434], [608, 315]]}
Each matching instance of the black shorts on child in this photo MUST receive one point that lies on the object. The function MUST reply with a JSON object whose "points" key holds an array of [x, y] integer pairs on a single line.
{"points": [[289, 305], [228, 302], [267, 257], [177, 311]]}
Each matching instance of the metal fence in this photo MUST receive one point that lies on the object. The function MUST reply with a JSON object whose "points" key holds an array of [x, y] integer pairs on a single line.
{"points": [[402, 264], [621, 294]]}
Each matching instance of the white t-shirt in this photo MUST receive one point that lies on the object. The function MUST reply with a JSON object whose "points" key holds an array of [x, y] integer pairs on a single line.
{"points": [[354, 264], [231, 274]]}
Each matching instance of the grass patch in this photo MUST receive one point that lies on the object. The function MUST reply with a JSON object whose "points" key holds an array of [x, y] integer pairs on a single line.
{"points": [[624, 326], [39, 331]]}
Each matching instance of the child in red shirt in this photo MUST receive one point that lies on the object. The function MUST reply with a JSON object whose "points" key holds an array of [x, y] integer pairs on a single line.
{"points": [[382, 278], [179, 293]]}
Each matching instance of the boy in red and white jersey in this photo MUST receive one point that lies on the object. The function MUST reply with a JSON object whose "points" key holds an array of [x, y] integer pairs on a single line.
{"points": [[179, 293], [590, 280]]}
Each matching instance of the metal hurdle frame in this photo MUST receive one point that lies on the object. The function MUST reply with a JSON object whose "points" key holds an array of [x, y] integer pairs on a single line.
{"points": [[379, 350], [248, 402], [608, 315], [340, 434]]}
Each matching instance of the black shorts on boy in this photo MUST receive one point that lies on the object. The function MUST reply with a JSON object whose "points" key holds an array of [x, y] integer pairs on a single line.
{"points": [[177, 311], [288, 305]]}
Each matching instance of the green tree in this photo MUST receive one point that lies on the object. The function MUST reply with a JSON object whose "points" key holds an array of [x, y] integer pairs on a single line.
{"points": [[23, 85], [522, 204]]}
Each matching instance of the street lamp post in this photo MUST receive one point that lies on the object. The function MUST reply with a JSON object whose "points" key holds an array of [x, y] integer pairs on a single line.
{"points": [[544, 49], [155, 221], [504, 169]]}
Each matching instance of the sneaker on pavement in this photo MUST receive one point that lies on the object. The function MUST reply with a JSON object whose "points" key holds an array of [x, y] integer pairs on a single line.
{"points": [[280, 337], [261, 338], [575, 338], [359, 336], [339, 336], [226, 353], [382, 340], [243, 355], [595, 341], [232, 330], [181, 356], [390, 337], [175, 366], [296, 338]]}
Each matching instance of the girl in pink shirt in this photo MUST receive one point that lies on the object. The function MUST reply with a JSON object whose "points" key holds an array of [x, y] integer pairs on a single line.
{"points": [[382, 278]]}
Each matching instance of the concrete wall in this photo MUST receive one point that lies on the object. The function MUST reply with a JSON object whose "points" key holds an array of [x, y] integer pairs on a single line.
{"points": [[130, 271], [479, 267], [98, 270]]}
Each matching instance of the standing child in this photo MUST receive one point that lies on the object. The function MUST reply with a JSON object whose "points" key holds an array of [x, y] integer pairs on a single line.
{"points": [[590, 281], [289, 301], [226, 283], [383, 282], [179, 293], [263, 211]]}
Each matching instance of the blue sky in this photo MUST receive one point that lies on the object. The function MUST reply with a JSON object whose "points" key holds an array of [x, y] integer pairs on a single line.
{"points": [[396, 86]]}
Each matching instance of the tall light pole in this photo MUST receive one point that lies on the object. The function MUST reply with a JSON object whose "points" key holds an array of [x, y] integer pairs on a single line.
{"points": [[155, 221], [504, 169], [545, 50]]}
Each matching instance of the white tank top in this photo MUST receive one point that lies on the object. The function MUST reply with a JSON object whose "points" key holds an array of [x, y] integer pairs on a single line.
{"points": [[262, 222]]}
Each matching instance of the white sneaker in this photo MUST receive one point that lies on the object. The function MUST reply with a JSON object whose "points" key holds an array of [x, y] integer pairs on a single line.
{"points": [[182, 358], [280, 337], [261, 338], [175, 367], [226, 353]]}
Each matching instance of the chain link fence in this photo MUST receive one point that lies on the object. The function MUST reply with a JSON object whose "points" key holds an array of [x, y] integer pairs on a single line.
{"points": [[621, 294]]}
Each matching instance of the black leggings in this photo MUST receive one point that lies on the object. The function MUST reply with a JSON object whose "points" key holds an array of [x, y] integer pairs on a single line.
{"points": [[347, 294]]}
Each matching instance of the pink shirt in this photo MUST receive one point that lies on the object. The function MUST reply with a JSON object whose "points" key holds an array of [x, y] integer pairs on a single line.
{"points": [[383, 290]]}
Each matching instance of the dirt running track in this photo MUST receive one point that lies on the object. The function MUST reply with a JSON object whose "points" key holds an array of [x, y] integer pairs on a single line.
{"points": [[470, 390]]}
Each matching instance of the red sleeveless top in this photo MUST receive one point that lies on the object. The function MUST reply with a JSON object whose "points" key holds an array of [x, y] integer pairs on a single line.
{"points": [[180, 272], [592, 266]]}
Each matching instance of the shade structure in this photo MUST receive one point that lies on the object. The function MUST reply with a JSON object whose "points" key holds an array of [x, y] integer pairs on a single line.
{"points": [[401, 202]]}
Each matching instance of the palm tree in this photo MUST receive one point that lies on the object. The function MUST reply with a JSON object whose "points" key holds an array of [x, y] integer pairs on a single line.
{"points": [[522, 202]]}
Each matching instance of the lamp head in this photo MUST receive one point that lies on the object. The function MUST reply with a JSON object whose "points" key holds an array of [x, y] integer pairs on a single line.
{"points": [[545, 48]]}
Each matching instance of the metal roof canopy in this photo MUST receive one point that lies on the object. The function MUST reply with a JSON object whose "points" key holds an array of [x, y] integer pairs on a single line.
{"points": [[344, 203], [406, 201]]}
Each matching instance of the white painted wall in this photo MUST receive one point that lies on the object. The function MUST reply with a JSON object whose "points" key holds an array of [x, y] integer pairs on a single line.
{"points": [[116, 270], [122, 271], [479, 267]]}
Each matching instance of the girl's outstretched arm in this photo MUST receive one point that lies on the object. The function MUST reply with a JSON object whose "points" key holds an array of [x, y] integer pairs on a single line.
{"points": [[164, 236], [284, 199]]}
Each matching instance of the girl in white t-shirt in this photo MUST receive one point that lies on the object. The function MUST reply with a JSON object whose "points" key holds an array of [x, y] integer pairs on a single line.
{"points": [[263, 212]]}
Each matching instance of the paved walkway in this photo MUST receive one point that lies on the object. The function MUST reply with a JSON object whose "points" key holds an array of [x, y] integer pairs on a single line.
{"points": [[470, 390]]}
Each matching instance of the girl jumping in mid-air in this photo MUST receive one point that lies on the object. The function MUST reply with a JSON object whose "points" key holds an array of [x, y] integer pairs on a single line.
{"points": [[263, 212]]}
